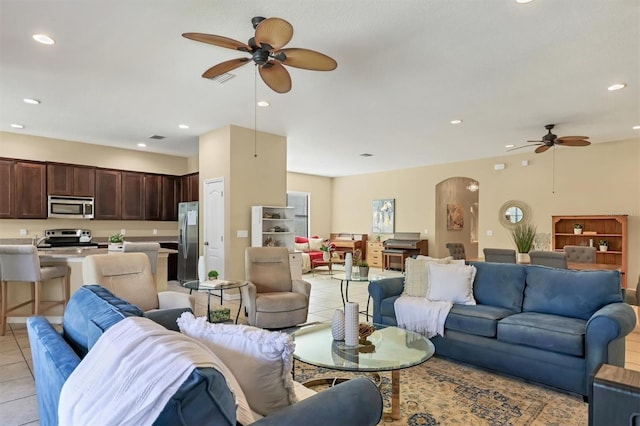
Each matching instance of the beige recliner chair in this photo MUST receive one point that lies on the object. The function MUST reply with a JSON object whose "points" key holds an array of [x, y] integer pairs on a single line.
{"points": [[128, 276], [272, 298]]}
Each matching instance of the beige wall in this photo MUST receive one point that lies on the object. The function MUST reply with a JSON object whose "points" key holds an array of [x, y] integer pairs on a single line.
{"points": [[599, 179], [319, 190], [249, 180], [13, 145]]}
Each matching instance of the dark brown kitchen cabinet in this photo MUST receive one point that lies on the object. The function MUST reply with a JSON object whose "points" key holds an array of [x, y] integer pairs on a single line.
{"points": [[132, 196], [108, 194], [170, 197], [30, 190], [67, 179], [7, 189], [153, 197], [190, 187]]}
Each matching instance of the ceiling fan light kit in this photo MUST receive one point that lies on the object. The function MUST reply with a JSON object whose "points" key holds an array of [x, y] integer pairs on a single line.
{"points": [[267, 53]]}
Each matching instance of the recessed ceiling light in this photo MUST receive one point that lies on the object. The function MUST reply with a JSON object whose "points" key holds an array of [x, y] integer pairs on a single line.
{"points": [[142, 145], [17, 126], [263, 103], [509, 146], [616, 86], [456, 121], [183, 126], [43, 38], [31, 101], [636, 127], [523, 1]]}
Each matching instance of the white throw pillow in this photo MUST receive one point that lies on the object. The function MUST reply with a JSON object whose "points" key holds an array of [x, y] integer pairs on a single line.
{"points": [[304, 247], [315, 244], [416, 281], [451, 283], [260, 360]]}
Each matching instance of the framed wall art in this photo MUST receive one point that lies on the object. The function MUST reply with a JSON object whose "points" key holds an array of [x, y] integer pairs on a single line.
{"points": [[455, 217], [383, 216]]}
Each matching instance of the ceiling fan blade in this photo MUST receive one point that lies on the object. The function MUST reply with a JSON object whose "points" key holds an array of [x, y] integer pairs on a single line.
{"points": [[217, 40], [275, 32], [308, 59], [573, 137], [518, 147], [572, 142], [224, 67], [536, 141], [276, 76], [541, 149]]}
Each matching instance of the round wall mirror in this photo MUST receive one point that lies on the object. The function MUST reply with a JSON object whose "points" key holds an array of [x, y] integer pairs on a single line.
{"points": [[513, 212]]}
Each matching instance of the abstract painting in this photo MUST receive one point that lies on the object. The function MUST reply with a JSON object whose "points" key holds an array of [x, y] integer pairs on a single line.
{"points": [[455, 217], [383, 215]]}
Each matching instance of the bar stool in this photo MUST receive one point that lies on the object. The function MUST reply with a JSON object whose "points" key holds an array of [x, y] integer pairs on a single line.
{"points": [[20, 263], [150, 249]]}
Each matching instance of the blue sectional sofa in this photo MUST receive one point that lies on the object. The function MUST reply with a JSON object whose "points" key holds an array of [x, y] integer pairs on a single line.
{"points": [[203, 399], [547, 325]]}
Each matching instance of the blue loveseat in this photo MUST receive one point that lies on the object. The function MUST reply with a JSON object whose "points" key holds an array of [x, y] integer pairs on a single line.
{"points": [[203, 399], [547, 325]]}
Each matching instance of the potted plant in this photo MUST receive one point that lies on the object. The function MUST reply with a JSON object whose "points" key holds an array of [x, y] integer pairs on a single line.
{"points": [[327, 247], [364, 269], [213, 275], [577, 228], [604, 245], [523, 235], [115, 242]]}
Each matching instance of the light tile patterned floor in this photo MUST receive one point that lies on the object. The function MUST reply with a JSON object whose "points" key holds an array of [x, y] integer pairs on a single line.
{"points": [[17, 389]]}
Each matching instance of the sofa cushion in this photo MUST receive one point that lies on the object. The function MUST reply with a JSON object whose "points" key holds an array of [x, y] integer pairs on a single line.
{"points": [[576, 294], [481, 320], [260, 360], [416, 282], [91, 310], [499, 284], [315, 244], [549, 332]]}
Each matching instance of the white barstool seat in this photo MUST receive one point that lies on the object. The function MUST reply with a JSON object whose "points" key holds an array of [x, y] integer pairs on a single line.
{"points": [[20, 263]]}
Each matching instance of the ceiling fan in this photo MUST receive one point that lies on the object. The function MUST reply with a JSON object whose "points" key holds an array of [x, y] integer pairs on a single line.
{"points": [[550, 140], [266, 49]]}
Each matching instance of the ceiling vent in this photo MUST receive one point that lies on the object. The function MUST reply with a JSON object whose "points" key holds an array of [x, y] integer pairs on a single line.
{"points": [[223, 78], [366, 155], [157, 137]]}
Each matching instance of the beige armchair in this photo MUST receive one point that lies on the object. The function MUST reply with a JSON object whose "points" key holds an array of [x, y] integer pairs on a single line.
{"points": [[272, 298], [128, 276]]}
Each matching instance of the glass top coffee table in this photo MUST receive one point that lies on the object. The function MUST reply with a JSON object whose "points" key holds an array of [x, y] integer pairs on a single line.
{"points": [[389, 349]]}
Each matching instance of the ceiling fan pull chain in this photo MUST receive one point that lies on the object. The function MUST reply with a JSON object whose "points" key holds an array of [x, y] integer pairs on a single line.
{"points": [[553, 178], [255, 111]]}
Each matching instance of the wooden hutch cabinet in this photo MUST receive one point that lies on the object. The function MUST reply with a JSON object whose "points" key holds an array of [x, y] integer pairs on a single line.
{"points": [[612, 228]]}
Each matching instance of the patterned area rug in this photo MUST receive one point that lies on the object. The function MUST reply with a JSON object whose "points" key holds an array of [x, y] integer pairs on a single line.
{"points": [[442, 392]]}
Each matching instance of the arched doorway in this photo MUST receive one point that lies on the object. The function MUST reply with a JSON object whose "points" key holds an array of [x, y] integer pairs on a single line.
{"points": [[457, 214]]}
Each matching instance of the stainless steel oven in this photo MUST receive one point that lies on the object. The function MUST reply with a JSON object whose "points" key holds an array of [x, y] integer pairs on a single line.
{"points": [[70, 207]]}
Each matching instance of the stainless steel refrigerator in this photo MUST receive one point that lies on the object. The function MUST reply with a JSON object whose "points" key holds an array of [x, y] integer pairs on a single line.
{"points": [[188, 241]]}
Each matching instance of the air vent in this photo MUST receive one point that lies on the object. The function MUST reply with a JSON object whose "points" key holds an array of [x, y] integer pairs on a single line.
{"points": [[223, 78], [366, 155], [157, 137]]}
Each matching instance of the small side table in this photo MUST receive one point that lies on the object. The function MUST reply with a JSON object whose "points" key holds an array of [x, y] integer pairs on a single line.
{"points": [[216, 285], [344, 287]]}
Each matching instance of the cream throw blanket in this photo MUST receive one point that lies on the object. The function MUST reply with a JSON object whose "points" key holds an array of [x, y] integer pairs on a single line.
{"points": [[130, 374], [422, 315]]}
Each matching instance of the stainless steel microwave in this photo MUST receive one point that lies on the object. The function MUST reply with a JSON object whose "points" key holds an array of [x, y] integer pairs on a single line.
{"points": [[70, 207]]}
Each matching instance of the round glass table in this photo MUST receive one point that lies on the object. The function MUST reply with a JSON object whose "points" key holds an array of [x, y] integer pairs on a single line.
{"points": [[215, 285], [387, 349]]}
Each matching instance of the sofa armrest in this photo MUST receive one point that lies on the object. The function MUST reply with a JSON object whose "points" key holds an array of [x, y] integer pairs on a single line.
{"points": [[356, 402], [167, 317], [249, 300], [380, 290], [53, 362], [301, 286], [174, 299], [609, 324]]}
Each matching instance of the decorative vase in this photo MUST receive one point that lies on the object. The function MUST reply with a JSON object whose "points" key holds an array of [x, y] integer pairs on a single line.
{"points": [[577, 231], [364, 272], [115, 247], [337, 325], [603, 248], [351, 324], [523, 258], [326, 256], [348, 264], [202, 274]]}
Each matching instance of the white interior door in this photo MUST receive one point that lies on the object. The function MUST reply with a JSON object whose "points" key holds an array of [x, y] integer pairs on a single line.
{"points": [[214, 225]]}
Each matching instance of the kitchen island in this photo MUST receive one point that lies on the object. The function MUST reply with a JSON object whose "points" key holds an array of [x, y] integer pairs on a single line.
{"points": [[72, 257]]}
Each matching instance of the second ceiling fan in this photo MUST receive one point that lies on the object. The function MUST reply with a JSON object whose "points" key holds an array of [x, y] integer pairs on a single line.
{"points": [[267, 52], [550, 140]]}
